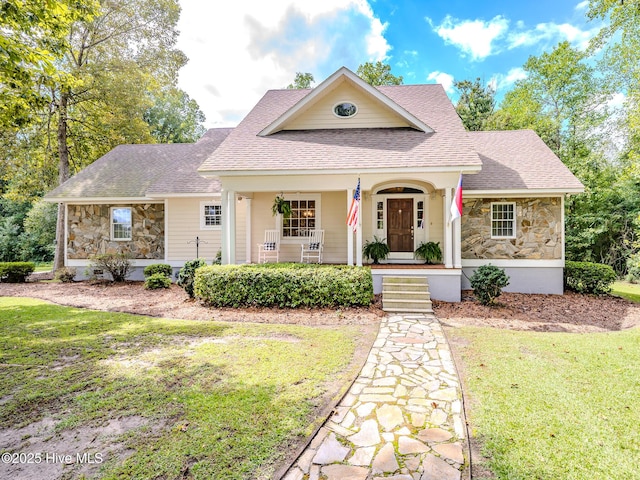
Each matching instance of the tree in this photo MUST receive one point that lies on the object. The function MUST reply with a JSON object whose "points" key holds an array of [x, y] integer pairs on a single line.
{"points": [[302, 80], [175, 118], [377, 74], [476, 103], [562, 98], [34, 38], [96, 99]]}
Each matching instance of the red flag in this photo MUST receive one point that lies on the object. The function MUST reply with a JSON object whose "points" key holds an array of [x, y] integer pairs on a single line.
{"points": [[354, 209], [456, 205]]}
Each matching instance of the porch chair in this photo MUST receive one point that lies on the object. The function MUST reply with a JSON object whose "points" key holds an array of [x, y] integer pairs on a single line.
{"points": [[312, 249], [270, 248]]}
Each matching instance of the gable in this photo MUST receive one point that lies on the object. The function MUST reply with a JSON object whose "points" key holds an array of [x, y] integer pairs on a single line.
{"points": [[370, 112], [342, 77]]}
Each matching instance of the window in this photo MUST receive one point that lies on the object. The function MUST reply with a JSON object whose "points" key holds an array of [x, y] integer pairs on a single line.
{"points": [[380, 215], [420, 214], [304, 217], [210, 216], [503, 220], [121, 223], [345, 109]]}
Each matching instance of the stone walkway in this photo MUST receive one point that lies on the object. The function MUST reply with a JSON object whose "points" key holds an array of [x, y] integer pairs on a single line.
{"points": [[402, 418]]}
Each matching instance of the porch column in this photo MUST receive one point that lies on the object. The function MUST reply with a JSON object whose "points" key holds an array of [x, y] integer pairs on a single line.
{"points": [[457, 243], [359, 236], [350, 232], [448, 234], [231, 231], [224, 233], [248, 229]]}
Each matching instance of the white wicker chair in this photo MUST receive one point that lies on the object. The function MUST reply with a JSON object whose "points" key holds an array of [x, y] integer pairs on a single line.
{"points": [[312, 249], [270, 248]]}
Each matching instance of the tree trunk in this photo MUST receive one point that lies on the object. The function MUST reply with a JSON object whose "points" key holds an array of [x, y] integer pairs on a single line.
{"points": [[63, 176]]}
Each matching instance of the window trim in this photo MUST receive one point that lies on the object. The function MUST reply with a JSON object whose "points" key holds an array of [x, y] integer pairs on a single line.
{"points": [[203, 223], [298, 197], [513, 221], [113, 224], [344, 117]]}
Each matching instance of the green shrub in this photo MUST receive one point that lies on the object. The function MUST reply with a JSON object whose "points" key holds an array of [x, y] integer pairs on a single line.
{"points": [[117, 264], [16, 272], [487, 283], [587, 277], [157, 280], [65, 274], [162, 268], [284, 285], [187, 274], [633, 268]]}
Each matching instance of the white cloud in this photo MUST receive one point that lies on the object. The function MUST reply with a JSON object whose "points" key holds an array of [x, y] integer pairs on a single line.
{"points": [[504, 82], [239, 52], [582, 5], [550, 34], [473, 37], [443, 79]]}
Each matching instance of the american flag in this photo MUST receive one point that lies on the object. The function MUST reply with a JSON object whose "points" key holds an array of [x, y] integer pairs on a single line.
{"points": [[354, 209]]}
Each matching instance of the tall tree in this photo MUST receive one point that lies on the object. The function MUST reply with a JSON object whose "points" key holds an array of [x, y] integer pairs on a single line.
{"points": [[302, 80], [33, 41], [175, 118], [562, 98], [619, 39], [476, 103], [378, 74]]}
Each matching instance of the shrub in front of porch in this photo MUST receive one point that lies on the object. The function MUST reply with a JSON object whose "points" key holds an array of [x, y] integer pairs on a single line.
{"points": [[284, 285]]}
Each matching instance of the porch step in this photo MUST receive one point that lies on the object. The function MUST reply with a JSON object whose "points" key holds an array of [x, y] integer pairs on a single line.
{"points": [[406, 294]]}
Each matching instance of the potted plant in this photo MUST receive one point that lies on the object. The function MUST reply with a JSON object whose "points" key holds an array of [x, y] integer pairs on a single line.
{"points": [[376, 249], [280, 206], [429, 251]]}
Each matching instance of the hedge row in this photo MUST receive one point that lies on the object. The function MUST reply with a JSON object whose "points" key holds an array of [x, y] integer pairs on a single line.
{"points": [[587, 277], [16, 272], [284, 285]]}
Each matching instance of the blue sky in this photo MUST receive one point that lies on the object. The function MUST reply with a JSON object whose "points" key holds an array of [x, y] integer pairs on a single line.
{"points": [[238, 52]]}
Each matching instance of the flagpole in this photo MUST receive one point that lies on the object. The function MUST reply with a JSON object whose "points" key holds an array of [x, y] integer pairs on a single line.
{"points": [[359, 229]]}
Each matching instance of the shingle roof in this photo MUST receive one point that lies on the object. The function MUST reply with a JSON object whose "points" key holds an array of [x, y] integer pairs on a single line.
{"points": [[335, 149], [518, 159], [134, 171]]}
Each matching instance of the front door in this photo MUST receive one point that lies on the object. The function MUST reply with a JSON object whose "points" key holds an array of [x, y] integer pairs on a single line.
{"points": [[400, 224]]}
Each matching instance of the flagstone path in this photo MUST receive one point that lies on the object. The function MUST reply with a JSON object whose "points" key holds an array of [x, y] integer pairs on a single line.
{"points": [[402, 418]]}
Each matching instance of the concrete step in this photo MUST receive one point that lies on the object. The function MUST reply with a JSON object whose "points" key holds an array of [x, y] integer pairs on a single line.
{"points": [[395, 279], [406, 294], [404, 287], [424, 306]]}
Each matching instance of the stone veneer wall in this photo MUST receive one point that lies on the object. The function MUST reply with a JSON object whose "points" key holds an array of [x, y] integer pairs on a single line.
{"points": [[90, 231], [538, 230]]}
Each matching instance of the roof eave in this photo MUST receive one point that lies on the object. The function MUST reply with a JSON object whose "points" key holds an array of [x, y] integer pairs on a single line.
{"points": [[85, 200], [466, 169], [521, 192]]}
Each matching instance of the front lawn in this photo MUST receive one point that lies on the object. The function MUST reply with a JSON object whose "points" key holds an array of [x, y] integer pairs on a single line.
{"points": [[553, 406], [630, 291], [206, 399]]}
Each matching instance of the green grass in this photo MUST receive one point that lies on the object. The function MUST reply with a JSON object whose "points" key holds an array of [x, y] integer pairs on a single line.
{"points": [[231, 398], [553, 406], [630, 291], [43, 267]]}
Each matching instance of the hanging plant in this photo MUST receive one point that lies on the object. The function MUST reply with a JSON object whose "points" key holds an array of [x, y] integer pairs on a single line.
{"points": [[281, 206]]}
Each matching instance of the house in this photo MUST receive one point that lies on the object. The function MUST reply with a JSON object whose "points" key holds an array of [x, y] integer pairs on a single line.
{"points": [[405, 145]]}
